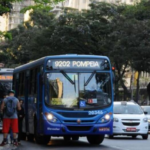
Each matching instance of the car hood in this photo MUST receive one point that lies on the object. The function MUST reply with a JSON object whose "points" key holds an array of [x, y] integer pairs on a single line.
{"points": [[129, 116]]}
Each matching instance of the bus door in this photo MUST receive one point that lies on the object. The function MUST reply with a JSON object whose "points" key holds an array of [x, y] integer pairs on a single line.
{"points": [[40, 104], [27, 90]]}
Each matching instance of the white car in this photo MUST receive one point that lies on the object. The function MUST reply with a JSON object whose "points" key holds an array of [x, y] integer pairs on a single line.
{"points": [[130, 120], [147, 109]]}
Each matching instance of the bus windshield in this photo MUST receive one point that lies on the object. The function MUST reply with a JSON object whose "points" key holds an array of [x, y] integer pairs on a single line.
{"points": [[66, 90]]}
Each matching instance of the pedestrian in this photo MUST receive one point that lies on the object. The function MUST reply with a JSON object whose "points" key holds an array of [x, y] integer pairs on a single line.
{"points": [[9, 108], [10, 131], [11, 136], [20, 119]]}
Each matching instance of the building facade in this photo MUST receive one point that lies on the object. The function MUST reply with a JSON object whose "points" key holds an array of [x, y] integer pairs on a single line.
{"points": [[15, 17], [4, 19], [84, 4]]}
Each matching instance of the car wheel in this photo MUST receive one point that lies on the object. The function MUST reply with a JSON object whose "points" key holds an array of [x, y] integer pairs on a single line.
{"points": [[110, 136], [95, 139], [134, 136], [75, 138], [67, 138], [145, 136]]}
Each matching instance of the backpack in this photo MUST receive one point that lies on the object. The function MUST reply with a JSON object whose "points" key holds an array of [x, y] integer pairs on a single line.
{"points": [[10, 108]]}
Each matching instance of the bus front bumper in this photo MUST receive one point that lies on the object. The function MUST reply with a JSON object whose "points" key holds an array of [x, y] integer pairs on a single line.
{"points": [[69, 129]]}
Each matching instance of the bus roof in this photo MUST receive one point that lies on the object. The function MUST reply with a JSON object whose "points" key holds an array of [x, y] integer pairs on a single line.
{"points": [[44, 59], [6, 70]]}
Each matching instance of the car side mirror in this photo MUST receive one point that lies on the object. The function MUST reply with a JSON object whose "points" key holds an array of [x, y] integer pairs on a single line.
{"points": [[145, 112]]}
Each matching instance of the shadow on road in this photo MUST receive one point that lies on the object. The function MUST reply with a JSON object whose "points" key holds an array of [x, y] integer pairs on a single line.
{"points": [[125, 138], [63, 145]]}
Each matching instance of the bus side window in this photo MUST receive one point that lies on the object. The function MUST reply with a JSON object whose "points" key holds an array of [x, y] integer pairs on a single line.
{"points": [[23, 83], [16, 84], [35, 80], [32, 81], [20, 83]]}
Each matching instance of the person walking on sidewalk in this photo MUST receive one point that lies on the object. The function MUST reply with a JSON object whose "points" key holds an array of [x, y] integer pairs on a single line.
{"points": [[9, 107]]}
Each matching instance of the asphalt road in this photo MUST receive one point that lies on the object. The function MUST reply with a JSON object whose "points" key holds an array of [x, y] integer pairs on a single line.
{"points": [[117, 143]]}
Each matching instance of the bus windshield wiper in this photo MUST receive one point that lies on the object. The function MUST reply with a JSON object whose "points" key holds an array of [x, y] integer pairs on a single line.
{"points": [[89, 79], [67, 77]]}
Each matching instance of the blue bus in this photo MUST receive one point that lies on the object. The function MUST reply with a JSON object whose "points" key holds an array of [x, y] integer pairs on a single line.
{"points": [[6, 77], [66, 95]]}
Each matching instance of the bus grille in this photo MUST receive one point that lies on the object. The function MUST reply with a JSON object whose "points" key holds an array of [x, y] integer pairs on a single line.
{"points": [[75, 121], [77, 128], [75, 115]]}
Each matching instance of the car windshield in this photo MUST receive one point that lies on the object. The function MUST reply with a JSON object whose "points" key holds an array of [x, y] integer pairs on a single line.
{"points": [[69, 90], [127, 109], [147, 109]]}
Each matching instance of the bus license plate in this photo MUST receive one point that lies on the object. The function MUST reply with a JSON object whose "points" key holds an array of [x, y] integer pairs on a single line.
{"points": [[131, 129]]}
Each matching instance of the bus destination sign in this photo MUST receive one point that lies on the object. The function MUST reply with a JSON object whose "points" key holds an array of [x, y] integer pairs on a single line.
{"points": [[84, 64], [6, 77]]}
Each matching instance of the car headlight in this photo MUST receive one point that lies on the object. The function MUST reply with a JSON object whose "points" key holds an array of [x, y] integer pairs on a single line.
{"points": [[145, 120], [149, 120], [105, 118], [116, 120], [51, 118]]}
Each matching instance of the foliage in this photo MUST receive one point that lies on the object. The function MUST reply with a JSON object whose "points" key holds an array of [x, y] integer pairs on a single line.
{"points": [[6, 5], [5, 35], [120, 32], [42, 5]]}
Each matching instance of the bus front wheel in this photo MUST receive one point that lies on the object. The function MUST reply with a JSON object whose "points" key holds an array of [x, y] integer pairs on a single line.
{"points": [[75, 138], [67, 138], [23, 136], [30, 137], [95, 139], [45, 139]]}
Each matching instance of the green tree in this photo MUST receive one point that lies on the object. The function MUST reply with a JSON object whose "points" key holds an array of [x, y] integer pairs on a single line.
{"points": [[46, 5], [6, 5], [140, 45], [117, 31]]}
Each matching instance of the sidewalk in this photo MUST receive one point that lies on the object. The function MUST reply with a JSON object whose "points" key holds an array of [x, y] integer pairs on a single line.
{"points": [[8, 146]]}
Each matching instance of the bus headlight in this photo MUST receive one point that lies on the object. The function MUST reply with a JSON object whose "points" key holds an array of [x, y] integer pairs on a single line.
{"points": [[105, 118], [51, 118]]}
